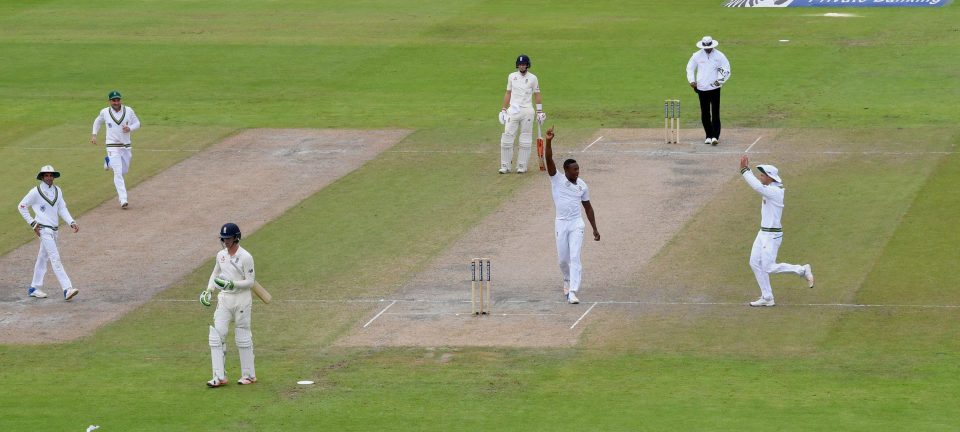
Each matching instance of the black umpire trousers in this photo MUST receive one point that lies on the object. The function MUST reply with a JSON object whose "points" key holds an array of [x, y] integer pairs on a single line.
{"points": [[710, 112]]}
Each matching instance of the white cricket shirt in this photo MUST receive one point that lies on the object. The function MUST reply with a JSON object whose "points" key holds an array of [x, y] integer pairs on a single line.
{"points": [[115, 120], [521, 88], [567, 197], [237, 268], [772, 207], [706, 68], [47, 203]]}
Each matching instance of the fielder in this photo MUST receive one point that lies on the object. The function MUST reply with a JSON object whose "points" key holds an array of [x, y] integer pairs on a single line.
{"points": [[763, 257], [569, 193], [233, 273], [48, 206], [518, 112], [120, 120]]}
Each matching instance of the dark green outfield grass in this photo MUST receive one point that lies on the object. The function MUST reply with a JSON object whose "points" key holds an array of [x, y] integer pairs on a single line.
{"points": [[878, 228]]}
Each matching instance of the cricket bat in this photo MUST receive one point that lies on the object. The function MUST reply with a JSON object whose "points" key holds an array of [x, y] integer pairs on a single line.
{"points": [[540, 148], [261, 292]]}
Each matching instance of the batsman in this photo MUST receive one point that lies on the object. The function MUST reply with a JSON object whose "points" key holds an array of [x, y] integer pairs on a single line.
{"points": [[234, 275], [522, 105]]}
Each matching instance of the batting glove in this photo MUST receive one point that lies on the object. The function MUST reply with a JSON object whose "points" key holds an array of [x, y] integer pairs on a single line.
{"points": [[503, 116], [226, 285], [541, 117], [206, 296]]}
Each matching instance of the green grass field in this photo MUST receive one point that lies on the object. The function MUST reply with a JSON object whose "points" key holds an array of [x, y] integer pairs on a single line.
{"points": [[877, 227]]}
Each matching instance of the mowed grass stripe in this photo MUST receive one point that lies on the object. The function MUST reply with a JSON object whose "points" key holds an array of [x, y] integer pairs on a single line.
{"points": [[840, 213], [84, 182]]}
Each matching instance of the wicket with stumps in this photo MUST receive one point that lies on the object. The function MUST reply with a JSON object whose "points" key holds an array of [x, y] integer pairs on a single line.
{"points": [[480, 284], [671, 120]]}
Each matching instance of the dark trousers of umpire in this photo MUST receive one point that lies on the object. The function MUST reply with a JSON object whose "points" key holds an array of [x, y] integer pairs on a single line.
{"points": [[710, 112]]}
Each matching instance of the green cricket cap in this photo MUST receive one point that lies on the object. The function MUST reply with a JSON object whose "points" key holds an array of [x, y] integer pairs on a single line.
{"points": [[114, 95]]}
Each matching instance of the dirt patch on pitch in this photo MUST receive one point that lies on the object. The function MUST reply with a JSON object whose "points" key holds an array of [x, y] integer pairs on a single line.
{"points": [[643, 190], [121, 259]]}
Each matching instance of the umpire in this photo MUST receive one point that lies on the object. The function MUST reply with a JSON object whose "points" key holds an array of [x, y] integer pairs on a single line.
{"points": [[712, 70]]}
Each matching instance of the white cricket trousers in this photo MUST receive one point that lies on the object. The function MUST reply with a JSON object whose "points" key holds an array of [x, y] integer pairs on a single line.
{"points": [[120, 163], [236, 308], [522, 119], [763, 261], [49, 252], [569, 244]]}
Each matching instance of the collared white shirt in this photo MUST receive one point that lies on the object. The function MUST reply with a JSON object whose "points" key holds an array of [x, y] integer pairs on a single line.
{"points": [[115, 120], [237, 268], [47, 203], [521, 88], [707, 69], [771, 209], [567, 197]]}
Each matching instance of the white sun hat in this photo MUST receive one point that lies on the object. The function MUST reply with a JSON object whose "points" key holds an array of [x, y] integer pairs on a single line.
{"points": [[771, 171], [48, 169], [707, 42]]}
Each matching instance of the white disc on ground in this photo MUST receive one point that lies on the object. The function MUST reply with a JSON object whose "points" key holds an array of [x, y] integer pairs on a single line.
{"points": [[305, 382]]}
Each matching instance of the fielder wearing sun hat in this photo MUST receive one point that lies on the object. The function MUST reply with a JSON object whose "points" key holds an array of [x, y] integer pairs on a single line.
{"points": [[763, 256], [47, 169], [771, 171]]}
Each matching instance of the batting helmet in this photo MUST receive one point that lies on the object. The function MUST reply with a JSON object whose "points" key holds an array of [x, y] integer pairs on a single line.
{"points": [[228, 230], [523, 59]]}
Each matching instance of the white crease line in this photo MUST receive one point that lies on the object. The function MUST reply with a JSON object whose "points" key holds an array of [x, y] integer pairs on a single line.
{"points": [[102, 148], [773, 152], [584, 314], [441, 151], [611, 302], [754, 143], [591, 144], [468, 313], [381, 313]]}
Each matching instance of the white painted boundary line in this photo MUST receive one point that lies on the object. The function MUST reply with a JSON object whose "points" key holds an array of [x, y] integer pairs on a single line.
{"points": [[584, 314], [378, 315], [754, 143], [591, 144]]}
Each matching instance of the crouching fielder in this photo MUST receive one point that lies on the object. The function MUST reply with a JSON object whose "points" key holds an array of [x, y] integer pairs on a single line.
{"points": [[763, 257], [233, 273]]}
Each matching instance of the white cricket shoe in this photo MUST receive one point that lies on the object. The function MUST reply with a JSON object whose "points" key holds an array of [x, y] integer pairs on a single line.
{"points": [[33, 292], [808, 274], [572, 298], [708, 141], [762, 302], [521, 169], [124, 205], [217, 382], [714, 141], [503, 169], [246, 380], [70, 293]]}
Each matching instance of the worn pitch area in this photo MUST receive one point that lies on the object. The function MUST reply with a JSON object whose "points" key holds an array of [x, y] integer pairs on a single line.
{"points": [[120, 259], [643, 192]]}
